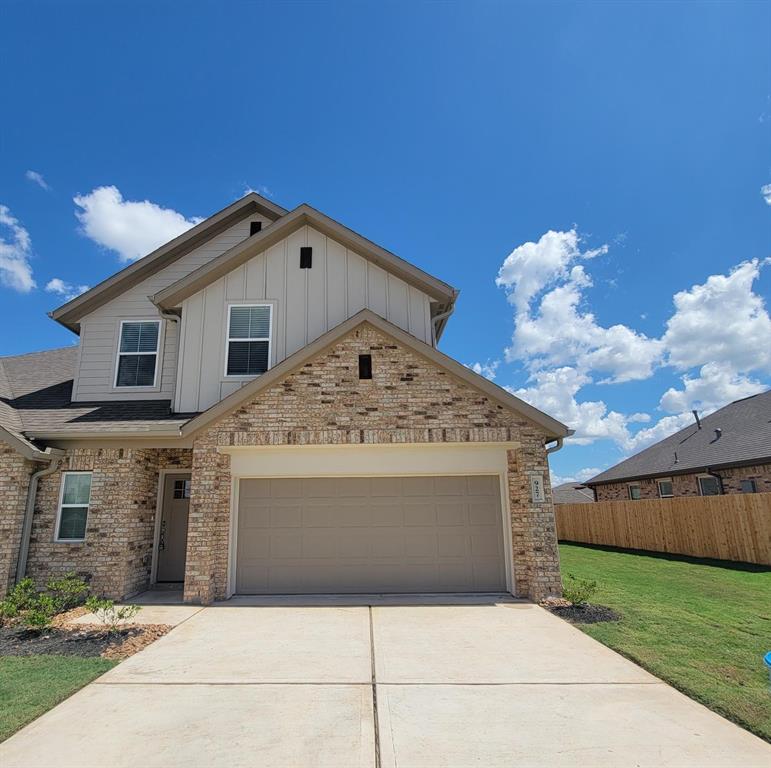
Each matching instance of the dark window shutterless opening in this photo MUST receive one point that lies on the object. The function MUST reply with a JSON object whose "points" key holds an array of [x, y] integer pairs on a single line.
{"points": [[365, 366], [254, 227], [306, 257]]}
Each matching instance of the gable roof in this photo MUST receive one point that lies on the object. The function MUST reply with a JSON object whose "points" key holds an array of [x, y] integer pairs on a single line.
{"points": [[173, 295], [553, 428], [745, 438], [69, 314], [572, 493]]}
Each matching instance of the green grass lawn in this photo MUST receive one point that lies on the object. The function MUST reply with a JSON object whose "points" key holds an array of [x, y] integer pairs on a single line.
{"points": [[31, 685], [702, 626]]}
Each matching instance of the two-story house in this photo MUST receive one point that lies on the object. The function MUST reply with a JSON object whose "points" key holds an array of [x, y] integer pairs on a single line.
{"points": [[259, 406]]}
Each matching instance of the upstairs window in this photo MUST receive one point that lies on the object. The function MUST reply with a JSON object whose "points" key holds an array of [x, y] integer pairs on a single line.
{"points": [[138, 354], [248, 352], [73, 506]]}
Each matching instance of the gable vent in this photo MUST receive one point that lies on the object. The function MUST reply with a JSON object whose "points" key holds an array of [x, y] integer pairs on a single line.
{"points": [[306, 257], [254, 227], [365, 366]]}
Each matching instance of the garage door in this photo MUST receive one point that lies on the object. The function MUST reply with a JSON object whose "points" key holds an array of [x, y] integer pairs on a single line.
{"points": [[370, 534]]}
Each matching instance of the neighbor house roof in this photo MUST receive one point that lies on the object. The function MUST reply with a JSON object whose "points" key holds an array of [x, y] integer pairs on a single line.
{"points": [[572, 493], [554, 429], [173, 295], [69, 314], [35, 403], [744, 438]]}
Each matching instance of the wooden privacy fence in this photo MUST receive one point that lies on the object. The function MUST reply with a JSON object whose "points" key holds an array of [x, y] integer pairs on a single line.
{"points": [[731, 527]]}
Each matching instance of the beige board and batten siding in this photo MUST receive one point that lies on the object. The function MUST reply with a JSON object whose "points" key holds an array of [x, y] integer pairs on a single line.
{"points": [[306, 304], [99, 331]]}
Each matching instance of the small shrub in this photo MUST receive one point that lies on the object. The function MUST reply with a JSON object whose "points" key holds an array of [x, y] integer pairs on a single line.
{"points": [[67, 592], [19, 599], [39, 615], [578, 591], [109, 614]]}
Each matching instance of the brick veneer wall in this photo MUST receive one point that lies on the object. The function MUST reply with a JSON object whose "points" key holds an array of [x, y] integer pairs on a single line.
{"points": [[688, 485], [116, 555], [408, 400], [15, 473]]}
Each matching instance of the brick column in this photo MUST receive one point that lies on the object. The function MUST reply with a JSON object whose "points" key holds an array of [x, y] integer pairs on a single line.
{"points": [[208, 528], [533, 526], [15, 473]]}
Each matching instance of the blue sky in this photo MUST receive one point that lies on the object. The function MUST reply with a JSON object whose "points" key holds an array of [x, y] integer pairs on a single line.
{"points": [[598, 159]]}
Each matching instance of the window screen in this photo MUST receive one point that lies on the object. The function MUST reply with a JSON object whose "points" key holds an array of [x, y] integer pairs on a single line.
{"points": [[248, 340], [73, 512], [138, 354]]}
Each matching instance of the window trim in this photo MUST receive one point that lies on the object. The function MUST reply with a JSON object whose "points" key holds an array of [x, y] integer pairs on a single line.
{"points": [[629, 487], [704, 476], [658, 486], [752, 480], [61, 505], [139, 387], [247, 377]]}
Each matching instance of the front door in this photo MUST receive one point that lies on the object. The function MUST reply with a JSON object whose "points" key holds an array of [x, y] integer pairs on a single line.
{"points": [[172, 538]]}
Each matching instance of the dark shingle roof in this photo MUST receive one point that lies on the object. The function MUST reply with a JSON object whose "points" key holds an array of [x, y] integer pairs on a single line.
{"points": [[35, 392], [745, 436], [572, 493]]}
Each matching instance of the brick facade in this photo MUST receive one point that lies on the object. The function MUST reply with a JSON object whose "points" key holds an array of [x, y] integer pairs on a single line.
{"points": [[688, 485], [15, 473], [408, 400], [116, 555]]}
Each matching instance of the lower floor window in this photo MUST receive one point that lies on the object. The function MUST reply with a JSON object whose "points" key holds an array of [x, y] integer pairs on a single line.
{"points": [[748, 486], [665, 489], [634, 492], [73, 508], [709, 486]]}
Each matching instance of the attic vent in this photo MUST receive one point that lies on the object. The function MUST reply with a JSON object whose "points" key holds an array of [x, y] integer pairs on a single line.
{"points": [[365, 366], [306, 257], [254, 227]]}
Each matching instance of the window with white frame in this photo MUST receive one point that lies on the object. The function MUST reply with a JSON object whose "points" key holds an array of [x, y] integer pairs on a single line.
{"points": [[248, 343], [73, 506], [709, 485], [665, 489], [137, 353], [634, 491]]}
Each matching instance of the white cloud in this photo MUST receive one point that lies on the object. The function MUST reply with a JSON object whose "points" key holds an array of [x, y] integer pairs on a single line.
{"points": [[37, 178], [487, 369], [15, 251], [722, 320], [64, 289], [131, 228], [579, 476], [716, 327], [765, 191], [260, 190], [714, 386]]}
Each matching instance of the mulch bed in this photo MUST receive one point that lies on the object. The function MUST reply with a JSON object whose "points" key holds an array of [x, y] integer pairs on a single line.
{"points": [[84, 640], [585, 614]]}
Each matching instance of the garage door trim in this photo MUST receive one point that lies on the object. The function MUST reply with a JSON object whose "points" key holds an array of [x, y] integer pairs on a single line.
{"points": [[371, 461]]}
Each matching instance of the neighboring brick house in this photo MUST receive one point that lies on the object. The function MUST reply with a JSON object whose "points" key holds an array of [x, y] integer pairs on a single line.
{"points": [[728, 451], [259, 407]]}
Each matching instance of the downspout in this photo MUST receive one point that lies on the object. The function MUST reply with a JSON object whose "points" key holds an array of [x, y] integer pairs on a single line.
{"points": [[168, 316], [438, 319], [29, 511]]}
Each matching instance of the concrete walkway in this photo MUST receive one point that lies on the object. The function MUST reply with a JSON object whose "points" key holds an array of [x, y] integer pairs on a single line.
{"points": [[409, 682]]}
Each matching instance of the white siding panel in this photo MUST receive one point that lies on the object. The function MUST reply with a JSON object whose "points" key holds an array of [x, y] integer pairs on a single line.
{"points": [[357, 283], [213, 356], [337, 294], [377, 290], [296, 292], [276, 286], [398, 305], [316, 296]]}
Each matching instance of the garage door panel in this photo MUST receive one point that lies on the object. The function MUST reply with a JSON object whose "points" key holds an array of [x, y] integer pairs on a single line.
{"points": [[365, 534]]}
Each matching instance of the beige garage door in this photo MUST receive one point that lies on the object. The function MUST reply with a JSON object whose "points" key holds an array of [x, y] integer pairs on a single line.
{"points": [[370, 534]]}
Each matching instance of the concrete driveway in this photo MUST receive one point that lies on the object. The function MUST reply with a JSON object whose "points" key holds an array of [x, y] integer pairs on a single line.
{"points": [[342, 683]]}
